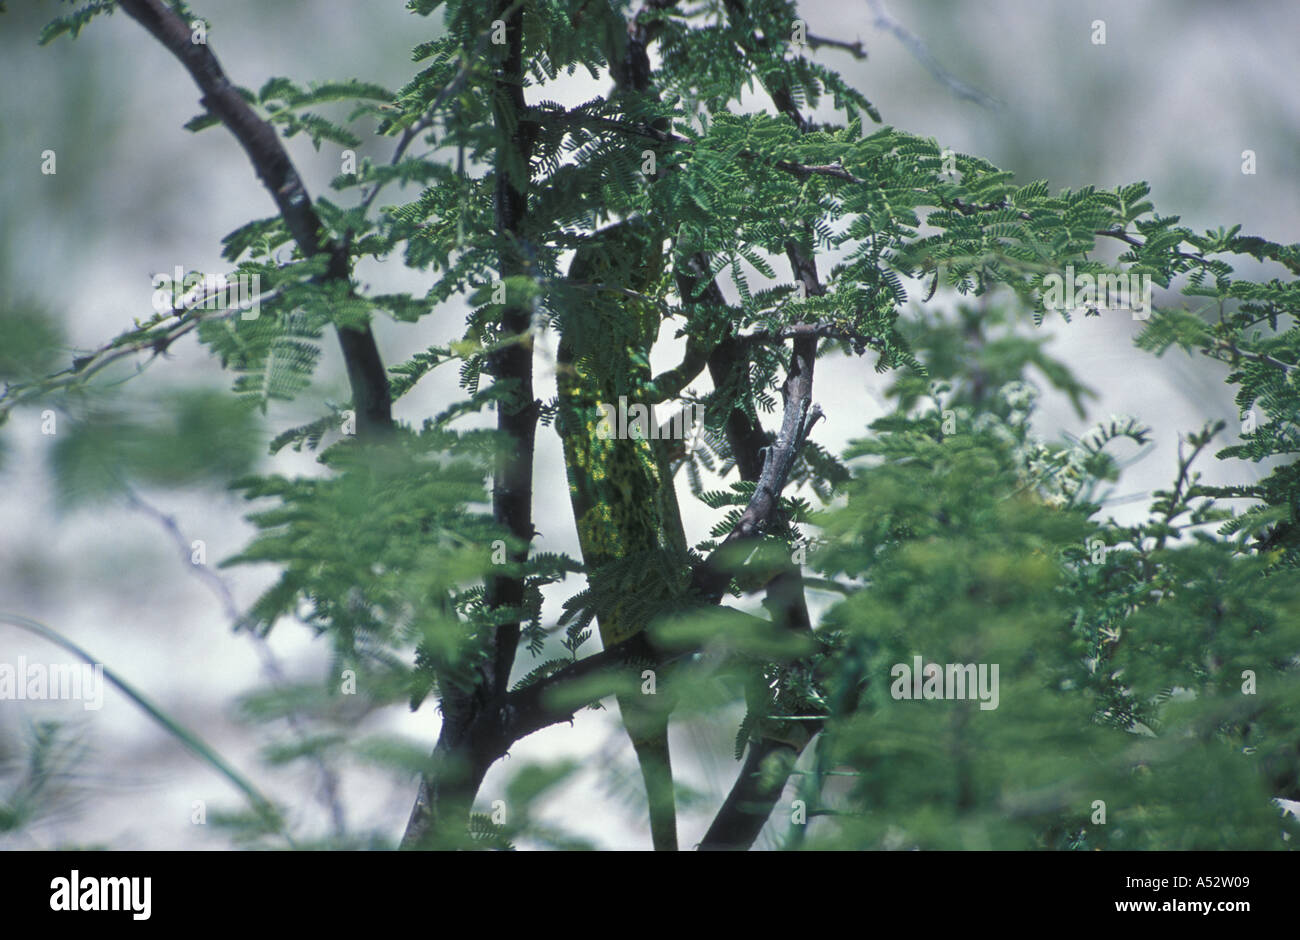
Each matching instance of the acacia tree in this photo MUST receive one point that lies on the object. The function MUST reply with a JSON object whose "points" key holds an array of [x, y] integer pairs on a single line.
{"points": [[994, 663]]}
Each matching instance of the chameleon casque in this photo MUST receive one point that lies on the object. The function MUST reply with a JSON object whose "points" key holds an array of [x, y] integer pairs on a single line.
{"points": [[621, 488]]}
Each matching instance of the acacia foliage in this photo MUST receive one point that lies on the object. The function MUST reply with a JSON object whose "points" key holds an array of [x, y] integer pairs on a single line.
{"points": [[1148, 668]]}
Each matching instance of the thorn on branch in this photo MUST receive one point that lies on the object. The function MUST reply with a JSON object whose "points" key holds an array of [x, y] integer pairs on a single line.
{"points": [[855, 49]]}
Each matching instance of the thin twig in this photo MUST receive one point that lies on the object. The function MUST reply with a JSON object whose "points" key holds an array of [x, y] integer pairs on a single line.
{"points": [[855, 49], [884, 20], [83, 367], [329, 781], [261, 142], [1262, 358], [426, 120], [192, 742]]}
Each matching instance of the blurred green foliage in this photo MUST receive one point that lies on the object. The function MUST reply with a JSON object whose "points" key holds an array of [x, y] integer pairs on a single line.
{"points": [[190, 437]]}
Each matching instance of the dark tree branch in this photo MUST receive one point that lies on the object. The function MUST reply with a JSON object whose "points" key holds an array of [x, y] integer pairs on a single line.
{"points": [[1236, 353], [711, 577], [543, 703], [370, 392], [469, 741], [752, 44], [512, 363], [1128, 239], [805, 170], [475, 729], [728, 365], [855, 49], [749, 803], [754, 794], [669, 384], [642, 31], [768, 761]]}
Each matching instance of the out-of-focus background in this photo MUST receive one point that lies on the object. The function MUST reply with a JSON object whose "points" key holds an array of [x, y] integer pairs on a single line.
{"points": [[1177, 92]]}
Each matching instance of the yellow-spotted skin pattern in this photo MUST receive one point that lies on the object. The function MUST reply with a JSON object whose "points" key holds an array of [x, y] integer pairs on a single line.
{"points": [[623, 499], [620, 486]]}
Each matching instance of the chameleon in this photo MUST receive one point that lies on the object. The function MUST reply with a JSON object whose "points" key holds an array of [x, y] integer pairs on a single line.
{"points": [[621, 487]]}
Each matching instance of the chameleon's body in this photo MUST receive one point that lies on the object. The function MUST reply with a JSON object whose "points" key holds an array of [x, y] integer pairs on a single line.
{"points": [[621, 489]]}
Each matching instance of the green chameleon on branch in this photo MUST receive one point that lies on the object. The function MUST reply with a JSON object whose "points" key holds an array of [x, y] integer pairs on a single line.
{"points": [[629, 525]]}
